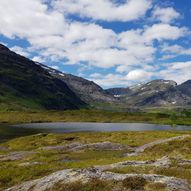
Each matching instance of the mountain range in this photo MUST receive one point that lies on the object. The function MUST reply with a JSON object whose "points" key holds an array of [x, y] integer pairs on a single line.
{"points": [[26, 85]]}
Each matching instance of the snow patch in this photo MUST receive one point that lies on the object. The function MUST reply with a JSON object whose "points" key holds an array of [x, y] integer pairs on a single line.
{"points": [[61, 74], [117, 95]]}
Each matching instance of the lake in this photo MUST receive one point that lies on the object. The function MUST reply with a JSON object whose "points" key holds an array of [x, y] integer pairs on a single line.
{"points": [[9, 132]]}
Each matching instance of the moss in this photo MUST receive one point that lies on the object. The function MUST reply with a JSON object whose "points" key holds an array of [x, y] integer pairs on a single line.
{"points": [[158, 186], [92, 185], [134, 170]]}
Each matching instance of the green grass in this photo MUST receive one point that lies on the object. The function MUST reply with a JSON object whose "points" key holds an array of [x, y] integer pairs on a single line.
{"points": [[85, 115], [183, 172], [49, 161], [130, 184]]}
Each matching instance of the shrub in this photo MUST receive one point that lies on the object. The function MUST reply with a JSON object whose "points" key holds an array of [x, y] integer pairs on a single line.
{"points": [[134, 183]]}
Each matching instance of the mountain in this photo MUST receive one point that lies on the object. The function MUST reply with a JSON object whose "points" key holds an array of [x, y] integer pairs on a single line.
{"points": [[118, 92], [155, 93], [148, 94], [26, 85], [177, 96], [87, 90]]}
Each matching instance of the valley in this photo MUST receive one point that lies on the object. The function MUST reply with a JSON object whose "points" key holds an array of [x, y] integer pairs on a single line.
{"points": [[119, 160]]}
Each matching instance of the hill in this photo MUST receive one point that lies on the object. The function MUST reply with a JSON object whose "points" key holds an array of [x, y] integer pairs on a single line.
{"points": [[24, 85]]}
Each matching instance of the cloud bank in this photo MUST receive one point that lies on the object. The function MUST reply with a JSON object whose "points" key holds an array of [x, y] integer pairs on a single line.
{"points": [[73, 32]]}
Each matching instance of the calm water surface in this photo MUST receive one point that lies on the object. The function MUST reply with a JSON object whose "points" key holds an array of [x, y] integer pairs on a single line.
{"points": [[9, 132]]}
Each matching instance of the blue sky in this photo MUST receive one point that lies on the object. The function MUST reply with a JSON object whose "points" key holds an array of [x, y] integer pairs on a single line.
{"points": [[116, 43]]}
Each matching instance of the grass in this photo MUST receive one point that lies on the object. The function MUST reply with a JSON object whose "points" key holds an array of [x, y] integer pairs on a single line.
{"points": [[92, 185], [126, 138], [85, 115], [131, 184], [134, 183], [48, 161], [172, 171]]}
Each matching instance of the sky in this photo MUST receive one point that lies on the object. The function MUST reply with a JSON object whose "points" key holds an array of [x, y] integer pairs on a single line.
{"points": [[115, 43]]}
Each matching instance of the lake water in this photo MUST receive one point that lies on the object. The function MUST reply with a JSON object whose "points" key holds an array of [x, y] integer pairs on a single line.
{"points": [[9, 132]]}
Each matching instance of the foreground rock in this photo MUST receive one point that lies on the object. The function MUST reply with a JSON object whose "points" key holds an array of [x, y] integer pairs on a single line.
{"points": [[15, 156], [163, 162], [84, 175], [99, 172], [94, 146]]}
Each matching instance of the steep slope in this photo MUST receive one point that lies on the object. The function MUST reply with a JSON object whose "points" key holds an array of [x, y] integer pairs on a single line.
{"points": [[177, 96], [25, 85], [87, 90]]}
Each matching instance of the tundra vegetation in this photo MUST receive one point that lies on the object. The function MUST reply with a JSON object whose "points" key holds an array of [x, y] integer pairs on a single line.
{"points": [[157, 116], [36, 156]]}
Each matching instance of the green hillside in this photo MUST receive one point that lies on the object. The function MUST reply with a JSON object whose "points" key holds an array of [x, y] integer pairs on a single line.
{"points": [[26, 86]]}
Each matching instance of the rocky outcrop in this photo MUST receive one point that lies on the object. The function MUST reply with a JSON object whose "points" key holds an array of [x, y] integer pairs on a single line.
{"points": [[163, 162], [94, 146], [102, 172], [17, 155], [85, 175]]}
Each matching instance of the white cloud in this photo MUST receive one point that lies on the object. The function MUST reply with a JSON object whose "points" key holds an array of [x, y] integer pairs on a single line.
{"points": [[138, 75], [178, 71], [110, 80], [20, 50], [175, 50], [104, 9], [164, 32], [38, 59], [165, 15], [55, 38], [27, 19]]}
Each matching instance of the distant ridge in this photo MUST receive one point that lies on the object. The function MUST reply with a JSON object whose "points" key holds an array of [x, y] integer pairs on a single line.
{"points": [[87, 90]]}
